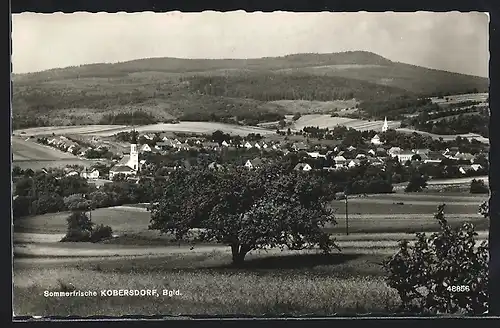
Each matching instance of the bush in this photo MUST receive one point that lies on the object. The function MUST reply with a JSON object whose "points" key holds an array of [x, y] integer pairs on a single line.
{"points": [[416, 184], [101, 232], [442, 273], [478, 187], [82, 229]]}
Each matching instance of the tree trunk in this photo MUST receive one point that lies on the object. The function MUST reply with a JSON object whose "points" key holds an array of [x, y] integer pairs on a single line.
{"points": [[238, 253]]}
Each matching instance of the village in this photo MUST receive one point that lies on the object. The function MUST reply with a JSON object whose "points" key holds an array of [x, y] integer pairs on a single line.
{"points": [[144, 154]]}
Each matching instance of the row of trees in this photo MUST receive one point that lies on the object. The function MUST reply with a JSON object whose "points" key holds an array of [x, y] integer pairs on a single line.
{"points": [[133, 118], [41, 193]]}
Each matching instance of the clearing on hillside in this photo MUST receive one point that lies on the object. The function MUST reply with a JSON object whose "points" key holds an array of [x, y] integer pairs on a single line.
{"points": [[326, 121]]}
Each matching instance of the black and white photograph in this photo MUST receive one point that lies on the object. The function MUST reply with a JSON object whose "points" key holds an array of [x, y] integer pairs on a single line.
{"points": [[262, 164]]}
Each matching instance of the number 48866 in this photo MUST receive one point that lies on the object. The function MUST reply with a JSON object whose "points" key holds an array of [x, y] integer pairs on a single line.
{"points": [[458, 289]]}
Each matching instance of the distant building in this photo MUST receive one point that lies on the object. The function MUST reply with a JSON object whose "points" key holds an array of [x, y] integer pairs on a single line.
{"points": [[302, 167], [393, 151], [254, 164], [129, 165], [93, 174], [145, 148], [376, 140], [340, 161], [405, 156], [215, 166], [385, 127]]}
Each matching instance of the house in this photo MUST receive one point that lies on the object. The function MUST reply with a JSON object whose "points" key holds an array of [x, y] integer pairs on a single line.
{"points": [[424, 151], [264, 145], [254, 164], [465, 157], [215, 166], [247, 145], [300, 146], [393, 151], [376, 140], [434, 157], [476, 167], [93, 174], [340, 161], [72, 173], [225, 144], [464, 169], [149, 137], [351, 148], [316, 155], [257, 145], [372, 152], [145, 148], [360, 156], [354, 162], [302, 167], [405, 156]]}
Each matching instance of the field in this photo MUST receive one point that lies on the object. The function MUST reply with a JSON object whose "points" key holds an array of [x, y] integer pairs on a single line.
{"points": [[31, 155], [109, 130], [326, 121], [61, 130], [311, 107], [271, 282], [455, 99], [447, 137], [28, 151]]}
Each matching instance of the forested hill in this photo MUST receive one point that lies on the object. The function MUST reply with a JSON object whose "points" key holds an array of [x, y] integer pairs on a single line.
{"points": [[173, 87]]}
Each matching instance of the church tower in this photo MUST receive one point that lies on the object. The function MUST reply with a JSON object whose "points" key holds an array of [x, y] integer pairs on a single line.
{"points": [[385, 127], [134, 154]]}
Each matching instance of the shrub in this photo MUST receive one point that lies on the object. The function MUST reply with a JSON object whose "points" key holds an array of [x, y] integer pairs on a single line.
{"points": [[417, 183], [478, 187], [101, 232], [441, 273], [79, 227]]}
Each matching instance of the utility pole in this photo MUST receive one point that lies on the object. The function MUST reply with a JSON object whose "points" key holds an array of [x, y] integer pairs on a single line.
{"points": [[346, 217]]}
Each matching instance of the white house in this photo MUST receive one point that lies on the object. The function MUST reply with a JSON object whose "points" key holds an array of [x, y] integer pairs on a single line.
{"points": [[354, 162], [72, 173], [316, 155], [405, 156], [225, 144], [145, 147], [394, 151], [247, 145], [303, 167], [376, 140], [476, 167], [257, 145], [340, 161], [372, 152], [93, 174], [253, 164], [351, 148]]}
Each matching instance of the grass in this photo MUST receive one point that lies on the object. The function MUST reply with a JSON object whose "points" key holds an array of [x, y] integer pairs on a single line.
{"points": [[326, 121], [288, 285], [28, 150], [373, 214]]}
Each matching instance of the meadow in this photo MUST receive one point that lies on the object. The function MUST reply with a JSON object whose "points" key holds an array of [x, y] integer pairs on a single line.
{"points": [[291, 284], [23, 150], [272, 282], [326, 121]]}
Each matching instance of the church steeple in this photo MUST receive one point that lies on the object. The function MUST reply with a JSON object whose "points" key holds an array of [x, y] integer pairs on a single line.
{"points": [[385, 127]]}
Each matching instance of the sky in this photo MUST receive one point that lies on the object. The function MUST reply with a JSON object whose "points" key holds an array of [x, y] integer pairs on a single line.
{"points": [[453, 41]]}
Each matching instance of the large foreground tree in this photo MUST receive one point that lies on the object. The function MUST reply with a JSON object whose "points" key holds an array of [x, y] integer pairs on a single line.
{"points": [[246, 209]]}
